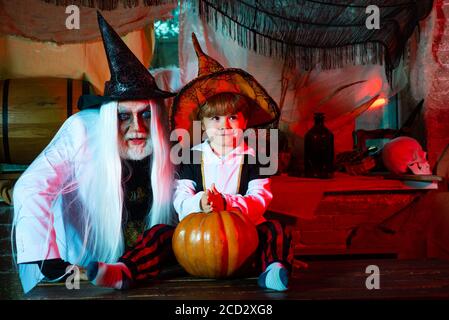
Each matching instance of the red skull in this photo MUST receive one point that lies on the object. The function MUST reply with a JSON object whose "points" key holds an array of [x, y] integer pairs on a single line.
{"points": [[404, 153]]}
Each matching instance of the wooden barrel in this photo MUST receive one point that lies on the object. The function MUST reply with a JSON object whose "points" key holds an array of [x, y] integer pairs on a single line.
{"points": [[32, 111]]}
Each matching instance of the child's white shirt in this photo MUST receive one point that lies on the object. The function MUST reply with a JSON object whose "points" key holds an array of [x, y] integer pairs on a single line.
{"points": [[224, 172]]}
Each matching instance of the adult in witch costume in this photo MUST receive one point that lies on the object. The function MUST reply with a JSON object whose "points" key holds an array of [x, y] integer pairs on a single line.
{"points": [[89, 194]]}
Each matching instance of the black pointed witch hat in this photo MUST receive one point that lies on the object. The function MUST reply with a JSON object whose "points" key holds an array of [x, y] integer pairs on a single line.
{"points": [[130, 79]]}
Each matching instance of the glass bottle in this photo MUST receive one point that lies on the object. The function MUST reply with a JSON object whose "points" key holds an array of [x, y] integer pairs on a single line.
{"points": [[319, 150]]}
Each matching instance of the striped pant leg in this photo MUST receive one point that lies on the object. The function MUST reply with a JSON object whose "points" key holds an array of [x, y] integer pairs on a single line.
{"points": [[274, 245], [152, 251]]}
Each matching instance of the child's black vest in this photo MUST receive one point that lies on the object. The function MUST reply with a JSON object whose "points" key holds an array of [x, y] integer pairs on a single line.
{"points": [[250, 170]]}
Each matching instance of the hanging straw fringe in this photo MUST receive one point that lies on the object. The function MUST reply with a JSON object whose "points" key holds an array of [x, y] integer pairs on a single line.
{"points": [[314, 34], [108, 5]]}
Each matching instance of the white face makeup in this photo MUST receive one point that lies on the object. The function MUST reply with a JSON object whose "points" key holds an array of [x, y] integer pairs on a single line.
{"points": [[134, 129], [224, 132]]}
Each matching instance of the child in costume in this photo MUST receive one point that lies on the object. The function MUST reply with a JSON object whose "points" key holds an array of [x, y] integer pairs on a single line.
{"points": [[227, 175]]}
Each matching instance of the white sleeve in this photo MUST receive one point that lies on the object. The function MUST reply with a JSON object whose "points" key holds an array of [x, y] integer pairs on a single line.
{"points": [[186, 201], [35, 192], [255, 202]]}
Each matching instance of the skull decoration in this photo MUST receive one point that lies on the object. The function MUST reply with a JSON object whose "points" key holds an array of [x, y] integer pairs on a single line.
{"points": [[403, 153]]}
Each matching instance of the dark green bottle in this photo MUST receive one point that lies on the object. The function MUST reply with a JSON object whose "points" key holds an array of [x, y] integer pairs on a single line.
{"points": [[319, 150]]}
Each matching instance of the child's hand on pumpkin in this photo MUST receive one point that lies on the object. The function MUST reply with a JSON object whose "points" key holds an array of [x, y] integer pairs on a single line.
{"points": [[204, 203], [216, 199]]}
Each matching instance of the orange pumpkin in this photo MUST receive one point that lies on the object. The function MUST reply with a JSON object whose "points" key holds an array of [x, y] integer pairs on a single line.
{"points": [[216, 244]]}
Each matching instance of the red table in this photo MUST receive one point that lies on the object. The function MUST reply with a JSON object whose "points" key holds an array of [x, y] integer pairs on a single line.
{"points": [[325, 212]]}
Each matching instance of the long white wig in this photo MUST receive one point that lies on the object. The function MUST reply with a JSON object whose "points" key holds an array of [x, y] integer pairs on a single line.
{"points": [[102, 192]]}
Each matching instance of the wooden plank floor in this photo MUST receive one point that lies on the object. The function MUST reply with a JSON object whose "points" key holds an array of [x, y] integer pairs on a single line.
{"points": [[323, 280]]}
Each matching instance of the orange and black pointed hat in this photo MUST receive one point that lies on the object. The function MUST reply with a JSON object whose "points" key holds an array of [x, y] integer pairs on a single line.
{"points": [[130, 79], [206, 64], [214, 79]]}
